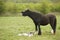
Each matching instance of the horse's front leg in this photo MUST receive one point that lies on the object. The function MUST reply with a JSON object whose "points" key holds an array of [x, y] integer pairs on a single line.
{"points": [[35, 26], [39, 29]]}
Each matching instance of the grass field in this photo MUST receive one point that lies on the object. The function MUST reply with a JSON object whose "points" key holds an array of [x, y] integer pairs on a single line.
{"points": [[10, 27]]}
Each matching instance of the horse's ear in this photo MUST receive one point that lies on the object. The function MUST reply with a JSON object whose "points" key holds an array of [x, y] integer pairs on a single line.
{"points": [[28, 10]]}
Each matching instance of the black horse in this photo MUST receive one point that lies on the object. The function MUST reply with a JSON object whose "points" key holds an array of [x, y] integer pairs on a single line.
{"points": [[41, 19]]}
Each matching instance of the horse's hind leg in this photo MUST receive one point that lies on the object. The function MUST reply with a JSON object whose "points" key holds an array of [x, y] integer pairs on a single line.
{"points": [[53, 25]]}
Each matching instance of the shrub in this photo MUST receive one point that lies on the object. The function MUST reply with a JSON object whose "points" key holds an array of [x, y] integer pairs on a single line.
{"points": [[2, 9], [57, 7], [43, 7]]}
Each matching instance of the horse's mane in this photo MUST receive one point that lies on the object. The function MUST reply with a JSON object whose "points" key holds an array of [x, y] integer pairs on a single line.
{"points": [[36, 13]]}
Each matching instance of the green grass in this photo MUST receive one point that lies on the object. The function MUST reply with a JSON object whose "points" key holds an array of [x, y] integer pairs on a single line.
{"points": [[10, 27]]}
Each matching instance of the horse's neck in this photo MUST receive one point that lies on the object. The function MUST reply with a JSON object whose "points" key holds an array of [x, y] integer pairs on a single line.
{"points": [[31, 16], [34, 15]]}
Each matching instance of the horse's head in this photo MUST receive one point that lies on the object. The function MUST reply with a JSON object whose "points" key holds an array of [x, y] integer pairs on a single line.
{"points": [[26, 12]]}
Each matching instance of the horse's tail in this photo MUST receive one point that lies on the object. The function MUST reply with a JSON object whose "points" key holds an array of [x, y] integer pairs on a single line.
{"points": [[53, 22], [53, 25]]}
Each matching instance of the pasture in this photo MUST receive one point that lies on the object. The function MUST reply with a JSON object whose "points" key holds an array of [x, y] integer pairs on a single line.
{"points": [[10, 27]]}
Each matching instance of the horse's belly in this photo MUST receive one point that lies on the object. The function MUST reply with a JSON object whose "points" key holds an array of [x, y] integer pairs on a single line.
{"points": [[44, 22]]}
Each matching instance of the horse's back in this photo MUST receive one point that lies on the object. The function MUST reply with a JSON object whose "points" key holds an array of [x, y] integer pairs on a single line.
{"points": [[51, 16]]}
